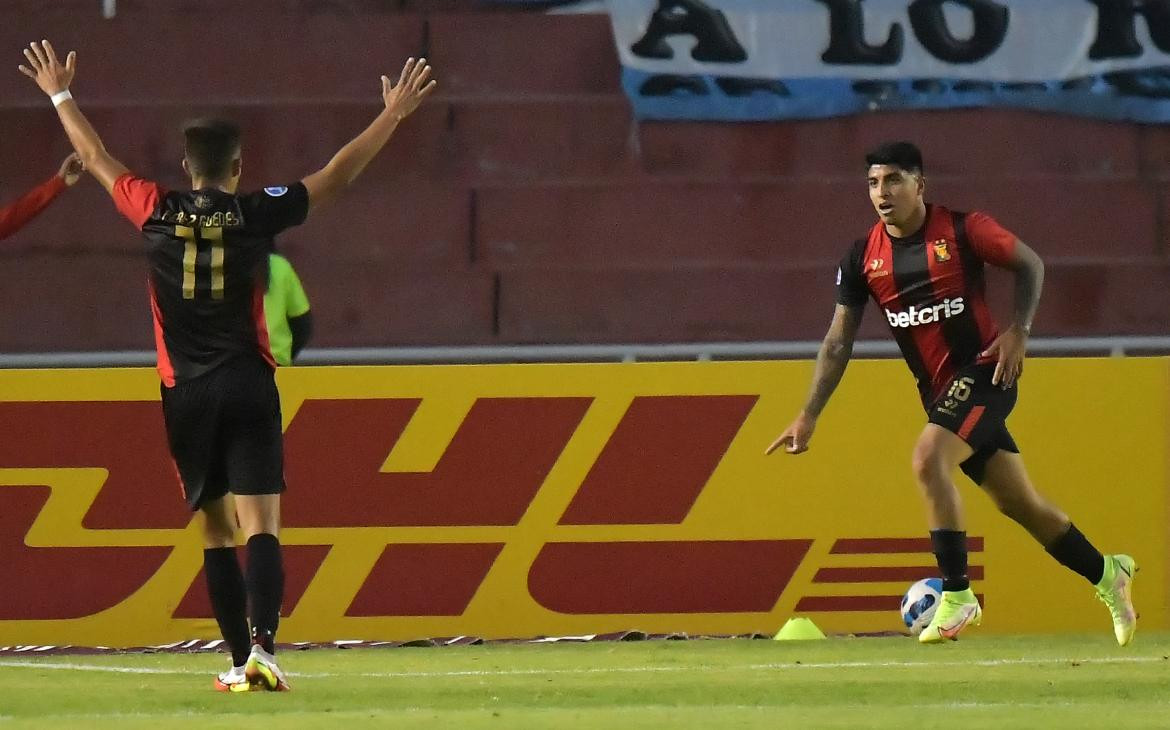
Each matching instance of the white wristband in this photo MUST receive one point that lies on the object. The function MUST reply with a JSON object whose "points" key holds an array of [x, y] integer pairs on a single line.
{"points": [[60, 97]]}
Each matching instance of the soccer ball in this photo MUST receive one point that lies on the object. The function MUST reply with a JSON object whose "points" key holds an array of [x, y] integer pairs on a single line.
{"points": [[919, 604]]}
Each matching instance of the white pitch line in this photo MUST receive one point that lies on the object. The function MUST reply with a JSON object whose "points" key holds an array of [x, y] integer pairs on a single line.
{"points": [[787, 666], [67, 666]]}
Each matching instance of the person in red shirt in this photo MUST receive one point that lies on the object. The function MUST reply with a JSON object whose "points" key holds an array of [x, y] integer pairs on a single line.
{"points": [[14, 216], [207, 252], [923, 266]]}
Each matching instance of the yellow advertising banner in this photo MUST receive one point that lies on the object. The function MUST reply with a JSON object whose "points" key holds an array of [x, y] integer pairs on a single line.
{"points": [[524, 500]]}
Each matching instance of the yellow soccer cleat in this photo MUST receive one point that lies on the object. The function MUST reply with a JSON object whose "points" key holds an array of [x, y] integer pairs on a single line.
{"points": [[262, 672], [1116, 591], [956, 611]]}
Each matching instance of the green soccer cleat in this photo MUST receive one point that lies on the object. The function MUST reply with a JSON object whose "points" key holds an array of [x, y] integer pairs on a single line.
{"points": [[956, 610], [1116, 591]]}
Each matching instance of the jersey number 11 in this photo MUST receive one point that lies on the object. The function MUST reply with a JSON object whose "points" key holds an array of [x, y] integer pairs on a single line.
{"points": [[214, 236]]}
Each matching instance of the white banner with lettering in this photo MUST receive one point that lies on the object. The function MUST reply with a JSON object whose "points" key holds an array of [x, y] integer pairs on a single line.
{"points": [[774, 59]]}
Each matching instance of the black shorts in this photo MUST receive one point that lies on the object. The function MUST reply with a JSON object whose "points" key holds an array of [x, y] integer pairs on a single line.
{"points": [[976, 411], [224, 432]]}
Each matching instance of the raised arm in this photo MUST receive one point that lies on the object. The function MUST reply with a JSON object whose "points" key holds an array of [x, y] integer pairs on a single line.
{"points": [[14, 216], [350, 160], [833, 358], [54, 78]]}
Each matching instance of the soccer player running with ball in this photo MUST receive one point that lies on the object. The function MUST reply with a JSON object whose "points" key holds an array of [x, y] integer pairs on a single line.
{"points": [[923, 265], [208, 251]]}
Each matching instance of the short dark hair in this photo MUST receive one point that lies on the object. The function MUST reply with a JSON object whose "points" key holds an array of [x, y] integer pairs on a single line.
{"points": [[210, 146], [905, 155]]}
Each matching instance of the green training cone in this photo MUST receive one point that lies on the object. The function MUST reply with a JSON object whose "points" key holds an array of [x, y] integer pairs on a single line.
{"points": [[799, 629]]}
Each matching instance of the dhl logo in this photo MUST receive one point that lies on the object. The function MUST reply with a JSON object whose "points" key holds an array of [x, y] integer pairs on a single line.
{"points": [[651, 471], [503, 501]]}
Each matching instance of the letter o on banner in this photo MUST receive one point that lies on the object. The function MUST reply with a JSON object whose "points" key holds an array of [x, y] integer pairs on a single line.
{"points": [[930, 27]]}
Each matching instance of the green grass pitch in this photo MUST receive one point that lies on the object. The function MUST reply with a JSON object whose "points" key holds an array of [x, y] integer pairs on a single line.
{"points": [[979, 682]]}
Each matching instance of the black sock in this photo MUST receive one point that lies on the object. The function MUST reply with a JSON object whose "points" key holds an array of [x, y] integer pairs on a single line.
{"points": [[1074, 551], [950, 550], [265, 588], [225, 584]]}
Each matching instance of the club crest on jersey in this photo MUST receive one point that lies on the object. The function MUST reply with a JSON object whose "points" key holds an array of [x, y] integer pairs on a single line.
{"points": [[277, 191], [941, 254], [875, 269], [202, 202]]}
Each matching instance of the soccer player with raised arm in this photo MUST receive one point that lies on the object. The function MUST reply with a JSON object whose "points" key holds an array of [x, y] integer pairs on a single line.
{"points": [[15, 215], [208, 251], [923, 265]]}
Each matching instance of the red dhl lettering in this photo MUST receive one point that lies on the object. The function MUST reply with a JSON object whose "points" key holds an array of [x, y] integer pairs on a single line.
{"points": [[651, 471]]}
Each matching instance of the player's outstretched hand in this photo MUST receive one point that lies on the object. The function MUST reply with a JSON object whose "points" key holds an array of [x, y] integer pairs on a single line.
{"points": [[796, 437], [1009, 349], [43, 67], [414, 85], [71, 169]]}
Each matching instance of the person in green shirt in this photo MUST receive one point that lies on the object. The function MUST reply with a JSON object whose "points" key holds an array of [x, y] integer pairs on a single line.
{"points": [[286, 311]]}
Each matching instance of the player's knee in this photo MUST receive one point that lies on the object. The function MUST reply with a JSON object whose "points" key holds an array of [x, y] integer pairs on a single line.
{"points": [[217, 534], [929, 466], [259, 514], [217, 526]]}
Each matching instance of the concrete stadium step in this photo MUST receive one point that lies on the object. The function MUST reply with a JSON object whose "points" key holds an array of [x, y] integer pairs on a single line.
{"points": [[136, 58], [505, 53], [85, 9], [461, 141], [89, 301], [140, 59], [726, 303], [789, 223], [79, 302], [1041, 144], [411, 227], [379, 305]]}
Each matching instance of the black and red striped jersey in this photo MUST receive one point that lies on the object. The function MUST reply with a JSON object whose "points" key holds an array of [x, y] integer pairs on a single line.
{"points": [[930, 286], [208, 253]]}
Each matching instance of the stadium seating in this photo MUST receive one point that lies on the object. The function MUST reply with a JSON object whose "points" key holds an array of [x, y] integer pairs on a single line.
{"points": [[524, 204]]}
